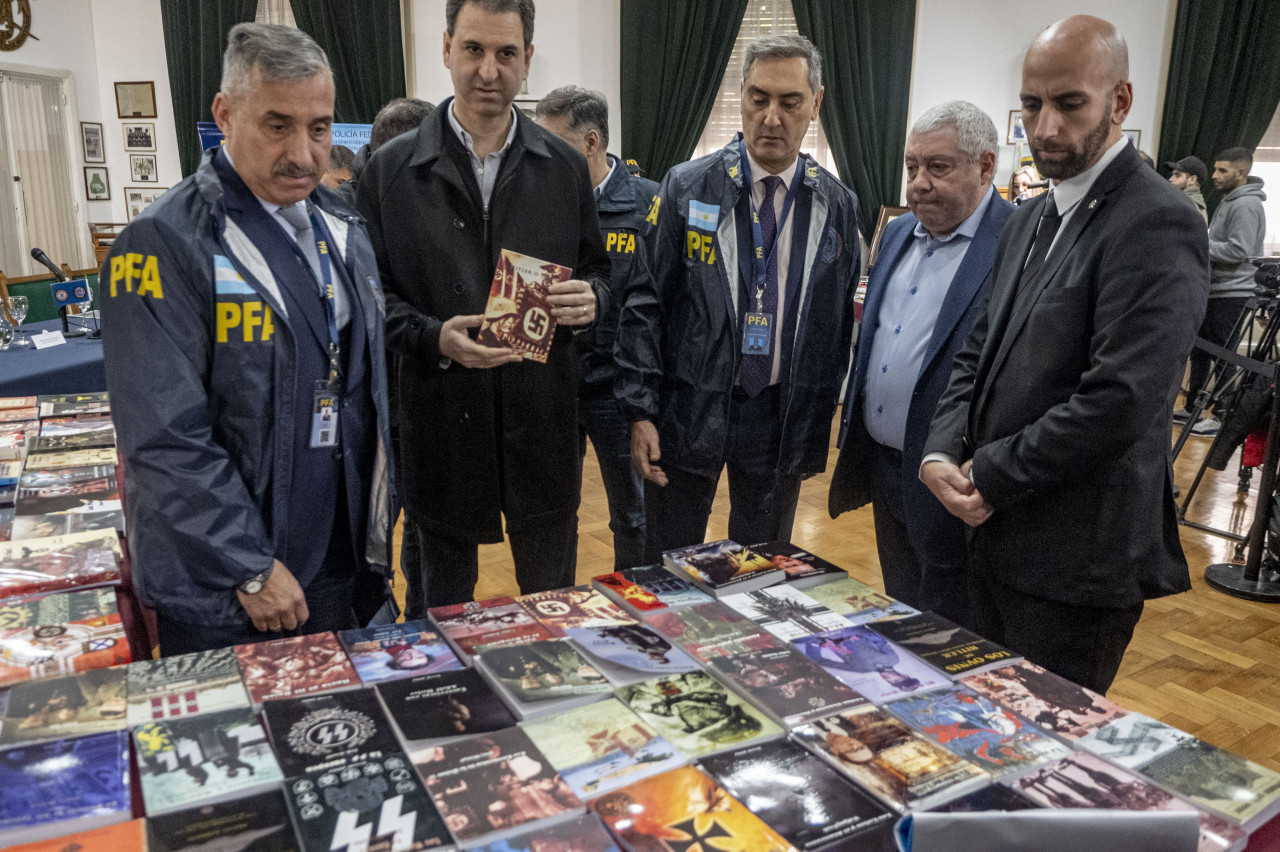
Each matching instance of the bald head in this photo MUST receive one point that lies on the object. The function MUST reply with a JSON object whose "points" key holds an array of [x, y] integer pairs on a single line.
{"points": [[1075, 94]]}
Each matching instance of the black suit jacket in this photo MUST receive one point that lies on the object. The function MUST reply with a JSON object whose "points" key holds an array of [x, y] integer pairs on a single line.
{"points": [[1060, 395]]}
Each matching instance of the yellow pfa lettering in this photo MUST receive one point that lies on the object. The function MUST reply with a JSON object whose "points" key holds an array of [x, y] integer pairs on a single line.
{"points": [[131, 268], [611, 241], [117, 274], [151, 278], [268, 327], [254, 320], [652, 217], [756, 319], [252, 313], [702, 245], [228, 318], [620, 242]]}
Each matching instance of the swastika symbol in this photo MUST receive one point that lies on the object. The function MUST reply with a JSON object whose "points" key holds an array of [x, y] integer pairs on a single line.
{"points": [[536, 323]]}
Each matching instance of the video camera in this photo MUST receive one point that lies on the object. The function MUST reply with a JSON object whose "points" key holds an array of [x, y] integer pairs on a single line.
{"points": [[1267, 277]]}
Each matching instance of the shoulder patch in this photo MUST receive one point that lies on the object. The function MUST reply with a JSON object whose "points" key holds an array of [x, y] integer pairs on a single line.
{"points": [[227, 280], [703, 216]]}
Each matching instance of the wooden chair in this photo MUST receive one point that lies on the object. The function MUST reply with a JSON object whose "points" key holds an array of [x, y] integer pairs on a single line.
{"points": [[103, 234], [4, 298]]}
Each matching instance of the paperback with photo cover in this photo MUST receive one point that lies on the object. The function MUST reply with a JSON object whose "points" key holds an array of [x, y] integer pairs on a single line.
{"points": [[1087, 781], [995, 797], [55, 788], [87, 439], [74, 404], [870, 663], [196, 759], [712, 630], [785, 611], [92, 488], [494, 782], [979, 729], [802, 568], [91, 702], [559, 610], [1052, 702], [1205, 774], [253, 824], [60, 633], [880, 754], [802, 798], [648, 589], [118, 837], [495, 621], [696, 713], [943, 644], [544, 671], [66, 523], [723, 567], [448, 705], [786, 685], [602, 746], [392, 651], [631, 651], [581, 834], [298, 665], [185, 685], [78, 560], [51, 426], [858, 602], [518, 313], [684, 809], [72, 458]]}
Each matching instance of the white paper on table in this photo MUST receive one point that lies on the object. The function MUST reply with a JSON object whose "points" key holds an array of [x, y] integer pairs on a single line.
{"points": [[45, 339]]}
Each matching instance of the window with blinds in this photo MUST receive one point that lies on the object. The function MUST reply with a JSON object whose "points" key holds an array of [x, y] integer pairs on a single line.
{"points": [[763, 17], [1266, 165], [275, 12], [1269, 148]]}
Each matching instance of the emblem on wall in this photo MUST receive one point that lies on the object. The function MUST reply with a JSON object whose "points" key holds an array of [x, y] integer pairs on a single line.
{"points": [[15, 23]]}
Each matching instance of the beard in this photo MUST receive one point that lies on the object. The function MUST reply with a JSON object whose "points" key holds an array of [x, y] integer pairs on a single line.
{"points": [[1077, 159]]}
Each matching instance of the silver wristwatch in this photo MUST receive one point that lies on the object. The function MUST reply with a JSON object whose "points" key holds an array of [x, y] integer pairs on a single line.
{"points": [[254, 585]]}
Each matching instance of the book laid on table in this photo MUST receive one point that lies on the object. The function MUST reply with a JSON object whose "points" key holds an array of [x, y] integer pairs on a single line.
{"points": [[185, 685], [1205, 774], [858, 602], [870, 663], [60, 633], [195, 760], [58, 459], [445, 706], [28, 405], [58, 440], [626, 653], [74, 404], [684, 808], [50, 426], [581, 834], [802, 798], [979, 729], [540, 678], [79, 560], [392, 651], [943, 644], [884, 756], [56, 788], [1087, 781], [15, 437], [6, 524], [91, 702], [518, 314], [647, 590], [257, 823], [577, 606], [785, 684], [61, 488], [494, 785], [802, 568], [1052, 702], [712, 630], [785, 611], [131, 835], [696, 713], [66, 523], [313, 732], [602, 746], [995, 797], [722, 568], [494, 621], [296, 665]]}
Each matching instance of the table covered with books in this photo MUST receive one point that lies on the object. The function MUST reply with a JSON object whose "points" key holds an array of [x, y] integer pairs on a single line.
{"points": [[755, 699]]}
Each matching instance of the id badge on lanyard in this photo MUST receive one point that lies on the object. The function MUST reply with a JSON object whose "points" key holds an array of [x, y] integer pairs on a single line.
{"points": [[757, 331], [325, 406]]}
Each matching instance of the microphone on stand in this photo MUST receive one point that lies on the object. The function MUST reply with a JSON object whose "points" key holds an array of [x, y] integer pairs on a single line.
{"points": [[40, 257]]}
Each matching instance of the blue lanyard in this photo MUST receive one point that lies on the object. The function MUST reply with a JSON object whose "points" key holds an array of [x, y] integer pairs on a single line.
{"points": [[328, 297], [757, 235]]}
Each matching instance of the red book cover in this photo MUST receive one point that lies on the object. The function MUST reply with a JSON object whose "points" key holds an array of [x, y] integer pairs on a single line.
{"points": [[636, 596], [518, 313], [298, 665], [495, 621], [577, 606], [60, 634]]}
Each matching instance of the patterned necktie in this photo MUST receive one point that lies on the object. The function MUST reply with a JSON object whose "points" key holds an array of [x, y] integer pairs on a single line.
{"points": [[1050, 219], [756, 370], [296, 215]]}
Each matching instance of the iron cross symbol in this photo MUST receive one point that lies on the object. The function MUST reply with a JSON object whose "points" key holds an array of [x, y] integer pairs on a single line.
{"points": [[696, 838]]}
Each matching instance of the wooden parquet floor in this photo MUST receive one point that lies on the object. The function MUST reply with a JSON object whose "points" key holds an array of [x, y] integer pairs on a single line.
{"points": [[1201, 661]]}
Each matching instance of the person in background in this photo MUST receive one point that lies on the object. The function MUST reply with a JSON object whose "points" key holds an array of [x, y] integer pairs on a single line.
{"points": [[398, 116], [1189, 175], [1021, 185], [339, 171]]}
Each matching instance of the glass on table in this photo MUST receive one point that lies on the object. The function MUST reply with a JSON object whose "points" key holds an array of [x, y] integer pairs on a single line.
{"points": [[6, 333], [18, 310]]}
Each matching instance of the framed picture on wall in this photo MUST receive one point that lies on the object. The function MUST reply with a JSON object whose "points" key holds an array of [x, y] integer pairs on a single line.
{"points": [[139, 198], [142, 168], [139, 137], [91, 140], [96, 185], [1017, 133], [136, 100], [1134, 136]]}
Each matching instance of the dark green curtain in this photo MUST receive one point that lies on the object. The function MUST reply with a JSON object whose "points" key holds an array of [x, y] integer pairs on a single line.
{"points": [[674, 53], [195, 35], [866, 68], [365, 49], [1224, 80]]}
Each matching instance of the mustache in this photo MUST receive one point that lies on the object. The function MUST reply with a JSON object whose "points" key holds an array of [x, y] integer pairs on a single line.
{"points": [[293, 170]]}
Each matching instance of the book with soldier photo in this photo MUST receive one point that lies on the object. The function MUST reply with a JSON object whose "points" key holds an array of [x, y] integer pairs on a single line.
{"points": [[185, 685], [494, 621], [785, 684], [696, 713], [91, 702], [203, 759], [258, 823], [943, 644], [870, 663], [60, 633], [445, 706], [626, 653], [392, 651], [518, 313], [1207, 775], [1052, 702], [785, 611], [67, 488], [884, 756], [80, 560], [858, 602], [712, 630], [802, 568], [67, 523], [723, 567], [296, 665], [542, 677], [576, 606]]}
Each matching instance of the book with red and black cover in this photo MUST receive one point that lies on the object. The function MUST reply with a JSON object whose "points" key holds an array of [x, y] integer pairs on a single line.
{"points": [[56, 708], [393, 651], [185, 685], [712, 630], [647, 590], [784, 683], [253, 824], [74, 404], [15, 437], [943, 644], [858, 602], [294, 666], [684, 809], [802, 568], [723, 567], [79, 560], [785, 611], [580, 834], [543, 677], [575, 606], [802, 798], [518, 313], [494, 621], [870, 663], [495, 784], [445, 706], [45, 491], [1052, 702], [24, 404], [73, 425], [60, 633], [696, 713], [131, 835]]}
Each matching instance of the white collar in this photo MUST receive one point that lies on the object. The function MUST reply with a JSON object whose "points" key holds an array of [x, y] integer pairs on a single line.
{"points": [[469, 141], [1069, 192], [759, 173]]}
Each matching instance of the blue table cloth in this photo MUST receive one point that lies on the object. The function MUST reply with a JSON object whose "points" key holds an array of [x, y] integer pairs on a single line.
{"points": [[75, 367]]}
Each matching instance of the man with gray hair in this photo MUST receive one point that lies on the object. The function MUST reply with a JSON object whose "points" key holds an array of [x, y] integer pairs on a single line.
{"points": [[931, 279], [581, 118], [735, 332], [244, 347]]}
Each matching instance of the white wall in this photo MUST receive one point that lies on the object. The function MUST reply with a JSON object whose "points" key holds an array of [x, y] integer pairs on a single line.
{"points": [[574, 41], [972, 50]]}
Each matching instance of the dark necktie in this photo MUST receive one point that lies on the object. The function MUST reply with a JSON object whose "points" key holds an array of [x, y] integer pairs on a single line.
{"points": [[755, 371], [1050, 219], [296, 215]]}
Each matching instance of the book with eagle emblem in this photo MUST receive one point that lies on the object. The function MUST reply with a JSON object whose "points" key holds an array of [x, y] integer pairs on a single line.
{"points": [[518, 313]]}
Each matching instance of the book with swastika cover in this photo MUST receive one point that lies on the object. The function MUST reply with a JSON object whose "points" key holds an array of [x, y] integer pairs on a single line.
{"points": [[518, 313]]}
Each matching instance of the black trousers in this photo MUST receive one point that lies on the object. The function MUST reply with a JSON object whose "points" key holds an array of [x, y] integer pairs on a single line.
{"points": [[1220, 318], [762, 503]]}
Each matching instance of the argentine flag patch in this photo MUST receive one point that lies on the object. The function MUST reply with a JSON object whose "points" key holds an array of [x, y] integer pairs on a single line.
{"points": [[227, 281], [703, 216]]}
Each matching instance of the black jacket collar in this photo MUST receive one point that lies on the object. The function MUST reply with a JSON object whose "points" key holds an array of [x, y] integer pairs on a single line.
{"points": [[435, 133]]}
